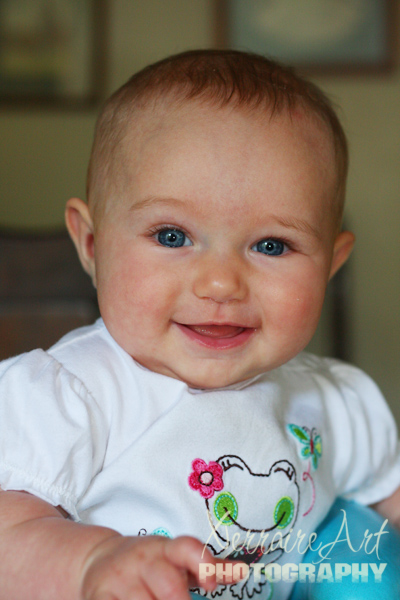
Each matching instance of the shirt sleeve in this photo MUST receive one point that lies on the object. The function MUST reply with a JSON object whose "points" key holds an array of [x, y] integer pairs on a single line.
{"points": [[52, 433], [367, 451]]}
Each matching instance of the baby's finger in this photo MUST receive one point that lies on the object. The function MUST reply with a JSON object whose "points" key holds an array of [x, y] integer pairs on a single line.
{"points": [[206, 570], [188, 554], [221, 572], [164, 580], [139, 593]]}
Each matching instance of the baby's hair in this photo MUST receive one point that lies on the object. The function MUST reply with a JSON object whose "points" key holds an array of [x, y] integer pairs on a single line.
{"points": [[219, 78]]}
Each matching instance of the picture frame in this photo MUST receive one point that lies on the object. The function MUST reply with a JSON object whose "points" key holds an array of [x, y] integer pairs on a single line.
{"points": [[52, 52], [317, 36]]}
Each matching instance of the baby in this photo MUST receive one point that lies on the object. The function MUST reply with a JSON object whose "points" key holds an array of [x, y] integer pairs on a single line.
{"points": [[186, 426]]}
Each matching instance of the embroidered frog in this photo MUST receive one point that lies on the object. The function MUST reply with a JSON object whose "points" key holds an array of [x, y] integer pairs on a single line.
{"points": [[245, 510]]}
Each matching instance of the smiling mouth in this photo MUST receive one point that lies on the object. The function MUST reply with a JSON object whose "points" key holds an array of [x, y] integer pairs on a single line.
{"points": [[217, 331], [220, 336]]}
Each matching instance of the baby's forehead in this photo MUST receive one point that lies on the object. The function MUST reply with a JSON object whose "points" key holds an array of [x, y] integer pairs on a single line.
{"points": [[180, 139], [165, 117], [159, 144], [171, 139]]}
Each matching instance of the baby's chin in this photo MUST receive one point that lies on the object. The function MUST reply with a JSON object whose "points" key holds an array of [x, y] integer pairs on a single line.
{"points": [[215, 383], [205, 378]]}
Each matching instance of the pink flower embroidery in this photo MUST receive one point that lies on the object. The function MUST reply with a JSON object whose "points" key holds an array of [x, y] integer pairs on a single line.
{"points": [[206, 478]]}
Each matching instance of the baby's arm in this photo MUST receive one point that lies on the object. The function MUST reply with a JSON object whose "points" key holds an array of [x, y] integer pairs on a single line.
{"points": [[390, 508], [45, 556]]}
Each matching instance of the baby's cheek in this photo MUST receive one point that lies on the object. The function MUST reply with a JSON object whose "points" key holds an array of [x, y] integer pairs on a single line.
{"points": [[302, 304], [306, 309], [140, 299]]}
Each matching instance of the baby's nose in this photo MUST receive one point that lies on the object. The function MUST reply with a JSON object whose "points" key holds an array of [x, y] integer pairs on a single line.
{"points": [[220, 279]]}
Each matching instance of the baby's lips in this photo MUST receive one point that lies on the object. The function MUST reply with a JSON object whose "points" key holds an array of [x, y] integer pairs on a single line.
{"points": [[217, 331]]}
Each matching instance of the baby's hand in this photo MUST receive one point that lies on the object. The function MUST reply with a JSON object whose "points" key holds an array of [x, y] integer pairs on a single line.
{"points": [[146, 568]]}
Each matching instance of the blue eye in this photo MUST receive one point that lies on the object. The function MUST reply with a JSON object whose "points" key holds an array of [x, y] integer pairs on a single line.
{"points": [[270, 247], [172, 238]]}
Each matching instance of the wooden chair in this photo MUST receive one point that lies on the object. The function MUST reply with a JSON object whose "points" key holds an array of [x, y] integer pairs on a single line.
{"points": [[44, 293]]}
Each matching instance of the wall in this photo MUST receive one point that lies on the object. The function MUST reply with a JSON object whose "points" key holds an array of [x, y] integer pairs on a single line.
{"points": [[43, 160], [372, 120], [44, 154]]}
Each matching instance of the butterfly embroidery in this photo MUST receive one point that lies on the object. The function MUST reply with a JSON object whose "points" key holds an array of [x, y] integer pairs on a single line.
{"points": [[311, 443]]}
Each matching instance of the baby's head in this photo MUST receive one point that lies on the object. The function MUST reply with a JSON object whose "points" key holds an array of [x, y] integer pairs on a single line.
{"points": [[215, 193], [217, 79]]}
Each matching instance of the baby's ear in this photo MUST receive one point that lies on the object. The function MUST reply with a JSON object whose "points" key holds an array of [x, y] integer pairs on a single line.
{"points": [[341, 251], [80, 227]]}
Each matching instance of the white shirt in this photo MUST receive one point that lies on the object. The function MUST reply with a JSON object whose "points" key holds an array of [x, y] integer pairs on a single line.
{"points": [[85, 427]]}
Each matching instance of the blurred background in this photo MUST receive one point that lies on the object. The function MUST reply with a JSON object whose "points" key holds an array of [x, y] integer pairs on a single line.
{"points": [[46, 127]]}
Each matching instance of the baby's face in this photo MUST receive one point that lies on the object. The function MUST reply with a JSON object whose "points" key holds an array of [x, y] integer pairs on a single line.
{"points": [[211, 265]]}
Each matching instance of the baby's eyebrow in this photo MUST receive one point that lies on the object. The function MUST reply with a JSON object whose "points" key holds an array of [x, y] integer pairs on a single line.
{"points": [[152, 201], [287, 222], [299, 225]]}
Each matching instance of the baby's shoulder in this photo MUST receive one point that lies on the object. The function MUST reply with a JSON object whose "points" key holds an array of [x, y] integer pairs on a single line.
{"points": [[330, 374], [86, 363], [93, 356], [306, 362], [83, 348]]}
